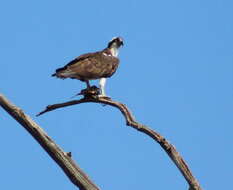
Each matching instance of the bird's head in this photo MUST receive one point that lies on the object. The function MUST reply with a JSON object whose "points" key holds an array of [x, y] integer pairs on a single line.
{"points": [[116, 42], [114, 45]]}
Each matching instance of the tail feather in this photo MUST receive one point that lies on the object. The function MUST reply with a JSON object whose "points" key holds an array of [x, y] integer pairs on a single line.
{"points": [[58, 72], [63, 73]]}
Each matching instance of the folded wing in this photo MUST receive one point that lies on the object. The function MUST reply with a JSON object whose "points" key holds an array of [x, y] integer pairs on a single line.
{"points": [[89, 66]]}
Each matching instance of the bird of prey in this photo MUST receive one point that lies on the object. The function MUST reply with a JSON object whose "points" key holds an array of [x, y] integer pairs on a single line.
{"points": [[90, 66]]}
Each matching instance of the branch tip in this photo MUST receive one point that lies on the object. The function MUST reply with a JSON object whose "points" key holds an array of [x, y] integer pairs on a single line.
{"points": [[130, 121]]}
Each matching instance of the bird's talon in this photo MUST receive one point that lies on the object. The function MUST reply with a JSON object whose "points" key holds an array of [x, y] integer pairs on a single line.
{"points": [[104, 96], [90, 92]]}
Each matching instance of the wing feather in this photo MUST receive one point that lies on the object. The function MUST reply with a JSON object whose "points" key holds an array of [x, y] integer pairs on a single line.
{"points": [[89, 66]]}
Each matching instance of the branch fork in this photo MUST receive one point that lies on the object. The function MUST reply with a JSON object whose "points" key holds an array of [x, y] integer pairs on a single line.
{"points": [[76, 175]]}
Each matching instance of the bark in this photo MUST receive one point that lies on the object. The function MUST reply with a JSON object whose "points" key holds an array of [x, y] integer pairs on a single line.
{"points": [[130, 121], [75, 174], [63, 159]]}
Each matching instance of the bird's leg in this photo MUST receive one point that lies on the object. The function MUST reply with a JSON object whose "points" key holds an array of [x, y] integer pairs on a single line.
{"points": [[102, 86], [90, 91], [88, 84], [85, 91]]}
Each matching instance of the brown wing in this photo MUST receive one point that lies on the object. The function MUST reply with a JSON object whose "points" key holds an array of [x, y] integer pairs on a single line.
{"points": [[108, 65], [89, 66]]}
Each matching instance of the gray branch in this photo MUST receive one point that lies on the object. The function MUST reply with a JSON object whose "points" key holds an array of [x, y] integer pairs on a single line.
{"points": [[75, 174], [63, 159], [130, 121]]}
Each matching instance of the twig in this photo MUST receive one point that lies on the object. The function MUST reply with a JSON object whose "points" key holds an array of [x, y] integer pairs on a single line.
{"points": [[63, 159], [130, 121]]}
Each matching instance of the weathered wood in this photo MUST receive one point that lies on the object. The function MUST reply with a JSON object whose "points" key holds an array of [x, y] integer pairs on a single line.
{"points": [[130, 121], [63, 159]]}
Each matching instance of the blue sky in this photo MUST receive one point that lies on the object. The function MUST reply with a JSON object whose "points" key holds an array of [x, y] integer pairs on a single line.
{"points": [[176, 75]]}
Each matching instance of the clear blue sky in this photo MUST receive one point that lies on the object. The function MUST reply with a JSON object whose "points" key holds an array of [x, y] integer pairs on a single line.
{"points": [[176, 75]]}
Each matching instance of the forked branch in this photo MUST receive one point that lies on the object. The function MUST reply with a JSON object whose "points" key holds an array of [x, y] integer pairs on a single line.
{"points": [[63, 159], [130, 121]]}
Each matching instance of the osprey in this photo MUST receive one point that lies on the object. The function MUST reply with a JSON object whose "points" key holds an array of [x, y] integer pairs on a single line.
{"points": [[98, 65]]}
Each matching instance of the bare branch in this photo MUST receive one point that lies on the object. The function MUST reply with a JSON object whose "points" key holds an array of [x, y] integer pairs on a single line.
{"points": [[130, 121], [63, 159]]}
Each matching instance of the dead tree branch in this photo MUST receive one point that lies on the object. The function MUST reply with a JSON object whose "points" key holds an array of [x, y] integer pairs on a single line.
{"points": [[130, 121], [63, 159]]}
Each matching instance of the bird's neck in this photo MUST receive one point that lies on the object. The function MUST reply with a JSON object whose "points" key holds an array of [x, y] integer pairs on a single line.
{"points": [[114, 51]]}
